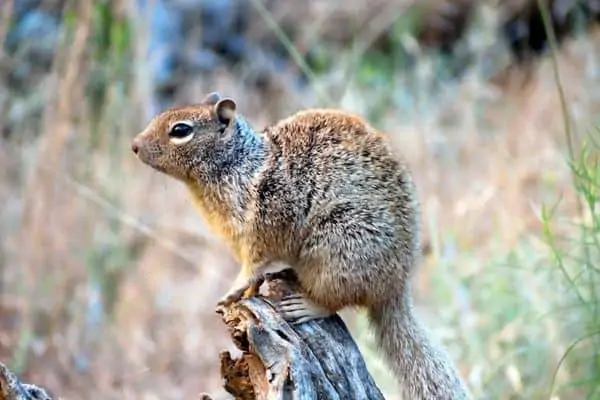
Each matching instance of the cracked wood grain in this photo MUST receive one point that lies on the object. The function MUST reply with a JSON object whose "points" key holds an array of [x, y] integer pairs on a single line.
{"points": [[314, 360], [11, 388]]}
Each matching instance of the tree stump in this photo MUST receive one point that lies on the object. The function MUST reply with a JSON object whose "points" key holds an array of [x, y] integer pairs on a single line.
{"points": [[314, 360], [13, 389]]}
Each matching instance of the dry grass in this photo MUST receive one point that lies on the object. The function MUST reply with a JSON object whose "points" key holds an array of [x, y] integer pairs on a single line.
{"points": [[110, 278]]}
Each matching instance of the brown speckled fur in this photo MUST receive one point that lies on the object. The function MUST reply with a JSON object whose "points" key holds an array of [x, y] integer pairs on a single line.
{"points": [[323, 192]]}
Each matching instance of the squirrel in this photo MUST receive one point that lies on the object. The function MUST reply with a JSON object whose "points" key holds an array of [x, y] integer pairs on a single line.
{"points": [[321, 192]]}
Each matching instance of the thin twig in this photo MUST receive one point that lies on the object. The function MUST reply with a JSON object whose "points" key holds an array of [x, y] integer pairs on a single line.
{"points": [[5, 17], [561, 94], [294, 53], [378, 25], [554, 49]]}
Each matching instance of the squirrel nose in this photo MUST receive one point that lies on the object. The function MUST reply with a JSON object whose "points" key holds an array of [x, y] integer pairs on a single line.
{"points": [[135, 147]]}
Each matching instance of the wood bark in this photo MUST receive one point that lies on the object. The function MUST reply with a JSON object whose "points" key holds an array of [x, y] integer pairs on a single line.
{"points": [[314, 360], [11, 388]]}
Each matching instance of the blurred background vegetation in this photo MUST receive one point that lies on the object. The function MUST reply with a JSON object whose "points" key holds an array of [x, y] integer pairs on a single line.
{"points": [[109, 278]]}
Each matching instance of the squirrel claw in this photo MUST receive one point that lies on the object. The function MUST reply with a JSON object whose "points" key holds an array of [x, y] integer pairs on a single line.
{"points": [[297, 309]]}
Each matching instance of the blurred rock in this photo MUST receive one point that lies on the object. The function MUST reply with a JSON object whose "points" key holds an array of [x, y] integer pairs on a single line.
{"points": [[203, 60], [36, 32], [165, 34], [523, 26], [444, 23]]}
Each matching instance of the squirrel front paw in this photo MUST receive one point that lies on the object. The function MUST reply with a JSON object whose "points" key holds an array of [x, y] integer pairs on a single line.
{"points": [[231, 297], [238, 293]]}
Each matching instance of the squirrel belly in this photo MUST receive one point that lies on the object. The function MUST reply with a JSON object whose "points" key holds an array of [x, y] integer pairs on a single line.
{"points": [[322, 192]]}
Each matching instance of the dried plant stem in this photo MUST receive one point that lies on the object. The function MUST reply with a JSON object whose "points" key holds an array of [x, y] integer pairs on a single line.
{"points": [[5, 16], [561, 93], [293, 51], [39, 201], [543, 6]]}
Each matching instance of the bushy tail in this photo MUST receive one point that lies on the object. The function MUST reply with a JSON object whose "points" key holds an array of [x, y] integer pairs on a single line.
{"points": [[423, 367]]}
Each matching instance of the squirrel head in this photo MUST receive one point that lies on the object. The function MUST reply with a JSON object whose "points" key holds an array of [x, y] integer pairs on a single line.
{"points": [[186, 141]]}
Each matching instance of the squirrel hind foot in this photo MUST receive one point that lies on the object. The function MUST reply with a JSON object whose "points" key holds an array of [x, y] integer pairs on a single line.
{"points": [[297, 309]]}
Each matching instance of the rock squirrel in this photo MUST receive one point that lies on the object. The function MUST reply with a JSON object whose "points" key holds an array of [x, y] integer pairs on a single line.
{"points": [[324, 193]]}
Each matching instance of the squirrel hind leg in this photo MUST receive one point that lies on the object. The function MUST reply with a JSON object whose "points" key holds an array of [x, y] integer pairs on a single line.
{"points": [[297, 309]]}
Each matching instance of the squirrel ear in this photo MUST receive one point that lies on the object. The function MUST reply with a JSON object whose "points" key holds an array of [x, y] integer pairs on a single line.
{"points": [[225, 109], [212, 98]]}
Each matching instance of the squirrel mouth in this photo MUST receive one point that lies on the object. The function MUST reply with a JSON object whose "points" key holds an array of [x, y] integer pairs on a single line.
{"points": [[150, 162], [157, 167]]}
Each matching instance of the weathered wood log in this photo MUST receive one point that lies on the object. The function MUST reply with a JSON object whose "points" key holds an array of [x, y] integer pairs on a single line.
{"points": [[314, 360], [11, 388]]}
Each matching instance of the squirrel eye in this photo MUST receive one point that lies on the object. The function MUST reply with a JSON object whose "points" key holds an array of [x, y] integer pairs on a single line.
{"points": [[181, 130]]}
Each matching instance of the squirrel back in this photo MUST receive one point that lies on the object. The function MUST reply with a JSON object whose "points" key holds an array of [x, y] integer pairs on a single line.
{"points": [[319, 159]]}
